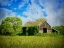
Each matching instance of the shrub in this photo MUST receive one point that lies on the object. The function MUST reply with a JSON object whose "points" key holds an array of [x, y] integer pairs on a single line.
{"points": [[60, 29], [11, 26], [32, 30]]}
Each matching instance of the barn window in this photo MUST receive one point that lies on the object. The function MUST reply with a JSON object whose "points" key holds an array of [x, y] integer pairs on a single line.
{"points": [[44, 30]]}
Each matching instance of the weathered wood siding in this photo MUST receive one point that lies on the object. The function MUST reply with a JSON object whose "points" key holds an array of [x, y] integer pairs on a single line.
{"points": [[44, 25]]}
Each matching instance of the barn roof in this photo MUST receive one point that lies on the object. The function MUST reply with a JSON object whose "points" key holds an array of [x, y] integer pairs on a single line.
{"points": [[33, 23]]}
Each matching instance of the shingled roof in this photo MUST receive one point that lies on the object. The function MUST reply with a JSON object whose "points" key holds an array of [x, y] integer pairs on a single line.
{"points": [[33, 23]]}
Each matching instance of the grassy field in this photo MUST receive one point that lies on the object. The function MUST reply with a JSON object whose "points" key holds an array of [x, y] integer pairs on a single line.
{"points": [[46, 41]]}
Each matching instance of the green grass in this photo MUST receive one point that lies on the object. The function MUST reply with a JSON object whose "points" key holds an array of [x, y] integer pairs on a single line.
{"points": [[32, 41]]}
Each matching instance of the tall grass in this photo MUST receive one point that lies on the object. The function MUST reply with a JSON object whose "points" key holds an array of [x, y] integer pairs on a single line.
{"points": [[32, 41], [47, 34]]}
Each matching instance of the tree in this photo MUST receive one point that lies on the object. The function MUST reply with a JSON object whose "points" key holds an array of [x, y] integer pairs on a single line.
{"points": [[11, 26], [41, 19]]}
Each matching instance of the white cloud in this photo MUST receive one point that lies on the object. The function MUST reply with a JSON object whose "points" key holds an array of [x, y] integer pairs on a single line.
{"points": [[5, 13], [34, 11], [60, 16], [23, 3], [24, 20], [55, 17], [6, 2], [15, 8]]}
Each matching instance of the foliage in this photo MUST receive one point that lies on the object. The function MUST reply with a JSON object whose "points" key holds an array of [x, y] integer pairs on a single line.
{"points": [[41, 19], [11, 26], [32, 30], [31, 42], [60, 29], [47, 34], [0, 29]]}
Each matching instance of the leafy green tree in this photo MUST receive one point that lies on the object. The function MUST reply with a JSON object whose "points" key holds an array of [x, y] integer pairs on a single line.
{"points": [[41, 19], [11, 26]]}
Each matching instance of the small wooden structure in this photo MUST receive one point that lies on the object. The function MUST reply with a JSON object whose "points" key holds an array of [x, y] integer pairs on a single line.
{"points": [[55, 31]]}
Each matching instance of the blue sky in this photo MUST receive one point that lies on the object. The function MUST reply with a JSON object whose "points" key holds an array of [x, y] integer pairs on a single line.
{"points": [[30, 10]]}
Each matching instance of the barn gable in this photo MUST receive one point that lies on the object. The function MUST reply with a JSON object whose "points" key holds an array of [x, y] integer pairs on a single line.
{"points": [[45, 27]]}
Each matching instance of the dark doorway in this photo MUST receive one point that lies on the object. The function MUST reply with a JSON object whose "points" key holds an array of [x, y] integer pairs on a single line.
{"points": [[44, 30], [24, 30]]}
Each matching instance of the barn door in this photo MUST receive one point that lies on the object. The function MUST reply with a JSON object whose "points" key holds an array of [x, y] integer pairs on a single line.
{"points": [[44, 30]]}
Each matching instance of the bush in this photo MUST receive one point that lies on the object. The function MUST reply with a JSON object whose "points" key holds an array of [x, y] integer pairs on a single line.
{"points": [[30, 30], [60, 29], [46, 34], [11, 26]]}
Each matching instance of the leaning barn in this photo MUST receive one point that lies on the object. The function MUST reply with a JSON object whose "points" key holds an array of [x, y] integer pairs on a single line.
{"points": [[44, 27]]}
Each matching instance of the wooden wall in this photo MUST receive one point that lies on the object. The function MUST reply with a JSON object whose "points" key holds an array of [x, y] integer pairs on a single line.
{"points": [[44, 25]]}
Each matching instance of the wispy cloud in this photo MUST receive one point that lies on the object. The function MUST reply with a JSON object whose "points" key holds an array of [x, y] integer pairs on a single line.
{"points": [[34, 11], [22, 3], [54, 10], [24, 19], [5, 13], [6, 2], [15, 8]]}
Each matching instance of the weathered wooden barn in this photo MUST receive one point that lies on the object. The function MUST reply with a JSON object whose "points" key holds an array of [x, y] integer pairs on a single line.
{"points": [[44, 27]]}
